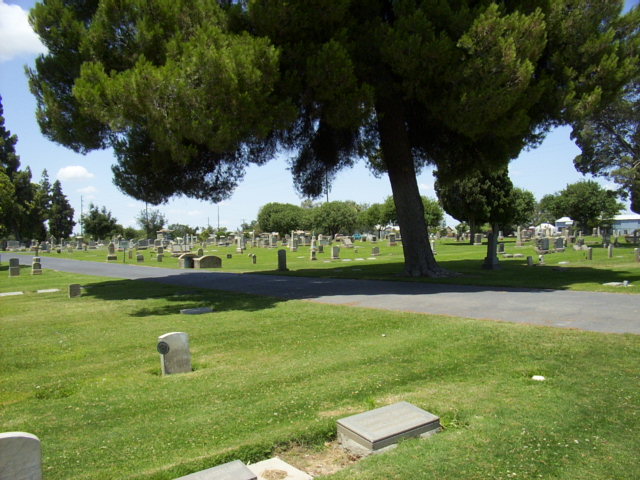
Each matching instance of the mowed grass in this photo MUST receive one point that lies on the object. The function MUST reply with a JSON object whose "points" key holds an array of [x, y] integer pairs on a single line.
{"points": [[569, 270], [83, 375]]}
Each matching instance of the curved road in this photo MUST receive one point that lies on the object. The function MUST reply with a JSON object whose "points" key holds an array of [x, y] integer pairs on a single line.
{"points": [[595, 311]]}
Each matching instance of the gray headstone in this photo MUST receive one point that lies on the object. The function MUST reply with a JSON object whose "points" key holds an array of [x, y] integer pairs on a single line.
{"points": [[254, 259], [235, 470], [75, 290], [376, 429], [530, 261], [159, 257], [282, 260], [14, 262], [335, 253], [20, 456], [313, 255], [139, 258], [175, 356], [375, 251], [610, 251], [392, 240], [589, 253]]}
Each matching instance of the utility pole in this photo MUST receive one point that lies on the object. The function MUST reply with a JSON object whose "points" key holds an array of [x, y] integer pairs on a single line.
{"points": [[81, 220], [218, 218]]}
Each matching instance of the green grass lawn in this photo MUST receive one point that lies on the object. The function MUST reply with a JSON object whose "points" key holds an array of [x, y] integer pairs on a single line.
{"points": [[568, 270], [83, 375]]}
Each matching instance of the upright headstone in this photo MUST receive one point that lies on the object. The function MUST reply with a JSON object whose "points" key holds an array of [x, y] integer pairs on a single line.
{"points": [[139, 258], [637, 254], [20, 456], [111, 249], [589, 253], [335, 253], [14, 267], [254, 259], [500, 248], [130, 254], [200, 252], [175, 356], [477, 239], [282, 261], [392, 240], [36, 266], [313, 255], [160, 257], [610, 251], [530, 261], [75, 290], [375, 251]]}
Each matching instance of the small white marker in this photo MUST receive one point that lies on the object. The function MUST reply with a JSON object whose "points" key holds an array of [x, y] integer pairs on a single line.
{"points": [[538, 378]]}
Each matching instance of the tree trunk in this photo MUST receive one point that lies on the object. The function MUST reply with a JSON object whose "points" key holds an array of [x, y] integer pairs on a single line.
{"points": [[472, 232], [491, 260], [396, 152]]}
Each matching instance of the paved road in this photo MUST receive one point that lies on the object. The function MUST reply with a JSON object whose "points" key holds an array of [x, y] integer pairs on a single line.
{"points": [[600, 312]]}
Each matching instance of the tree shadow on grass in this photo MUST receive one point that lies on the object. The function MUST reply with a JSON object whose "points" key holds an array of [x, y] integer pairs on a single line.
{"points": [[178, 297]]}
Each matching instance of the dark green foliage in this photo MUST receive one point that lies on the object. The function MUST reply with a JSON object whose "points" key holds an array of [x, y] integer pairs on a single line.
{"points": [[190, 93], [98, 223], [150, 221], [588, 204], [335, 217], [433, 212], [280, 217], [61, 221], [548, 209], [610, 144]]}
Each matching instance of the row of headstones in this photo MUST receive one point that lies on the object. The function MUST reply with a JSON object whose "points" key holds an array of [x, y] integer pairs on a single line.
{"points": [[14, 267]]}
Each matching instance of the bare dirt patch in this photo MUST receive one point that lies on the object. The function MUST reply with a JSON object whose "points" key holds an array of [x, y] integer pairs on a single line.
{"points": [[318, 461]]}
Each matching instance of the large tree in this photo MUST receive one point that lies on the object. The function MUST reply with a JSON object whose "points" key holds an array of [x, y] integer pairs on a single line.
{"points": [[190, 93], [99, 223], [151, 221], [610, 143], [61, 213], [432, 212], [280, 217], [588, 204], [335, 217]]}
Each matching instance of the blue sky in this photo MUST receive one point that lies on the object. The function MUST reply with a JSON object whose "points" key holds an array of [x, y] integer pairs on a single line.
{"points": [[547, 169]]}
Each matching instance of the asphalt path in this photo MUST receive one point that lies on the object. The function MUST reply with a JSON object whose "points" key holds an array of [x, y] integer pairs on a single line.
{"points": [[595, 311]]}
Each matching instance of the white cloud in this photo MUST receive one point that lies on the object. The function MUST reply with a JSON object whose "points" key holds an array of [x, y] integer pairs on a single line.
{"points": [[87, 190], [74, 172], [16, 35]]}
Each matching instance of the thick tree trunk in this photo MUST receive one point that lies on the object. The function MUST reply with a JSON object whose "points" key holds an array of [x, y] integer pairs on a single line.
{"points": [[491, 261], [396, 152], [472, 232]]}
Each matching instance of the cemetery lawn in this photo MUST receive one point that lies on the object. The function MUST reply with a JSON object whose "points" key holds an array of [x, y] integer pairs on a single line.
{"points": [[569, 270], [83, 375]]}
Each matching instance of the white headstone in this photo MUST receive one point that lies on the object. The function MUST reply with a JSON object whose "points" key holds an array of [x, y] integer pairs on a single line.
{"points": [[175, 356], [20, 456]]}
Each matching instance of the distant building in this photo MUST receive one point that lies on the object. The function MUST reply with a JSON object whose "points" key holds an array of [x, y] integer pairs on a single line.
{"points": [[621, 225], [563, 223], [626, 224]]}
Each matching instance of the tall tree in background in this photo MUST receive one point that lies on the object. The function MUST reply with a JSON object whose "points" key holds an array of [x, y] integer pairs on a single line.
{"points": [[588, 204], [610, 144], [280, 217], [99, 224], [151, 221], [433, 212], [61, 221], [331, 218], [190, 93]]}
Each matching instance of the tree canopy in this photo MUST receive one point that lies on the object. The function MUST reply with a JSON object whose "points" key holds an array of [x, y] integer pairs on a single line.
{"points": [[151, 221], [280, 217], [610, 144], [99, 223], [190, 93], [588, 204]]}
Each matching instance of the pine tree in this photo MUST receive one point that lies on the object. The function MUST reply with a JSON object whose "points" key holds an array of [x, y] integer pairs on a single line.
{"points": [[60, 213]]}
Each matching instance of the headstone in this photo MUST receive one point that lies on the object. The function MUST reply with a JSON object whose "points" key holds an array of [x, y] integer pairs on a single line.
{"points": [[139, 257], [20, 456], [335, 253], [254, 259], [559, 244], [36, 266], [392, 240], [377, 429], [530, 261], [321, 248], [500, 248], [282, 261], [186, 260], [313, 255], [589, 253], [200, 252], [175, 356], [130, 253], [235, 470], [207, 261], [637, 254], [610, 251], [160, 257], [111, 249], [375, 251], [75, 290], [14, 267], [112, 258], [477, 239], [160, 250]]}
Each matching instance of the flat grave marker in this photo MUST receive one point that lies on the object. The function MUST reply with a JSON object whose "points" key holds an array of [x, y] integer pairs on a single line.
{"points": [[235, 470], [375, 430]]}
